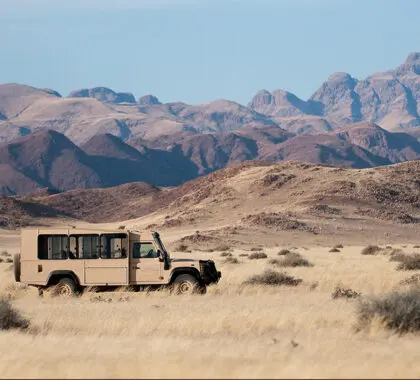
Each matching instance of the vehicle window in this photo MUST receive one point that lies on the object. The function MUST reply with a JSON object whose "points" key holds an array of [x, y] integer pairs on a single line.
{"points": [[144, 250], [53, 247], [114, 246], [84, 247]]}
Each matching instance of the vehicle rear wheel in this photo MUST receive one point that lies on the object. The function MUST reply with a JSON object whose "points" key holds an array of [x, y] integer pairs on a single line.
{"points": [[187, 284], [66, 287]]}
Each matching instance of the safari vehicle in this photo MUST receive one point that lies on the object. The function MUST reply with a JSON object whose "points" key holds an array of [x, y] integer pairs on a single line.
{"points": [[71, 259]]}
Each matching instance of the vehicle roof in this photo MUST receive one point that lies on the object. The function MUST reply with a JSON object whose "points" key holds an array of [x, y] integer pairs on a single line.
{"points": [[71, 229]]}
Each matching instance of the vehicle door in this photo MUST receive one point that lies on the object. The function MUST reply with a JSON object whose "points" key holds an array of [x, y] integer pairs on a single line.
{"points": [[145, 265]]}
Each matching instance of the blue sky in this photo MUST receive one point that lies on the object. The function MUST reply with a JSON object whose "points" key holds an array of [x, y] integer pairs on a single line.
{"points": [[196, 50]]}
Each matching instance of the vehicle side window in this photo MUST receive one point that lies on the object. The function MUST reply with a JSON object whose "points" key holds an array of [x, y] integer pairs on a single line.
{"points": [[114, 246], [84, 247], [53, 247], [143, 250]]}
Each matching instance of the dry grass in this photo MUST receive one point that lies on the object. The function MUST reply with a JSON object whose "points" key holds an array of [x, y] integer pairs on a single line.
{"points": [[272, 278], [234, 331], [407, 262], [399, 311], [292, 260], [11, 318], [342, 292], [257, 256]]}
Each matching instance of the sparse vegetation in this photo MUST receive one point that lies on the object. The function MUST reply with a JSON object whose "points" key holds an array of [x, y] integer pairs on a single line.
{"points": [[412, 280], [398, 311], [256, 249], [232, 260], [225, 254], [273, 278], [257, 256], [407, 262], [182, 248], [341, 292], [10, 318], [1, 260], [293, 259], [371, 250], [283, 252], [223, 247], [339, 246], [5, 254], [334, 249], [9, 260], [243, 254], [416, 246]]}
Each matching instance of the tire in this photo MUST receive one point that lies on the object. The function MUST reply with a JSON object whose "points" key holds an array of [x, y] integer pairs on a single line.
{"points": [[16, 266], [66, 287], [187, 284]]}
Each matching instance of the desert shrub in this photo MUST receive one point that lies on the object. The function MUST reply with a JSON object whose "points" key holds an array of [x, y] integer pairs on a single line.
{"points": [[10, 318], [409, 262], [341, 292], [273, 278], [256, 249], [397, 256], [339, 246], [294, 259], [224, 254], [1, 260], [182, 248], [283, 252], [223, 247], [334, 250], [416, 246], [257, 256], [243, 254], [9, 260], [274, 262], [4, 253], [231, 260], [371, 250], [399, 311], [412, 280]]}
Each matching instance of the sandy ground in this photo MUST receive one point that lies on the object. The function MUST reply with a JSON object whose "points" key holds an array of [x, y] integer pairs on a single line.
{"points": [[232, 331]]}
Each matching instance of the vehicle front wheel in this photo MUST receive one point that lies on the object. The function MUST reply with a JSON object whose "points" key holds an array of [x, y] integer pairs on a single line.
{"points": [[187, 284], [66, 287]]}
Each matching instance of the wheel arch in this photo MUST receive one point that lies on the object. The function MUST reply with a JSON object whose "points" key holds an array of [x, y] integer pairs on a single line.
{"points": [[179, 271], [55, 276]]}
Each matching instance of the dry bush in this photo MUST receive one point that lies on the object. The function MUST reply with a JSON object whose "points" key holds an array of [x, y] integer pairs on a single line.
{"points": [[9, 260], [339, 246], [243, 254], [1, 260], [397, 256], [274, 262], [412, 280], [256, 249], [399, 311], [334, 250], [257, 256], [293, 259], [408, 262], [5, 253], [225, 254], [371, 250], [283, 252], [231, 260], [341, 292], [223, 247], [182, 248], [416, 246], [10, 318], [273, 278]]}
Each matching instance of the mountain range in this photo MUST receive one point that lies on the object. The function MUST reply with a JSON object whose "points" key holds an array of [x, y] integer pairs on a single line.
{"points": [[100, 138]]}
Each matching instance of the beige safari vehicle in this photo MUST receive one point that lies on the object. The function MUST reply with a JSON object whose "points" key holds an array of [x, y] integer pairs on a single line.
{"points": [[70, 259]]}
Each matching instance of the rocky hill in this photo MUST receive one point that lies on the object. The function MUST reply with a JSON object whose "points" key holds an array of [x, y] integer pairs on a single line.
{"points": [[389, 99], [48, 159]]}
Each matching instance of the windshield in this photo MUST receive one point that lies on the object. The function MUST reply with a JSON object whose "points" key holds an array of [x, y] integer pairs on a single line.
{"points": [[159, 243]]}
